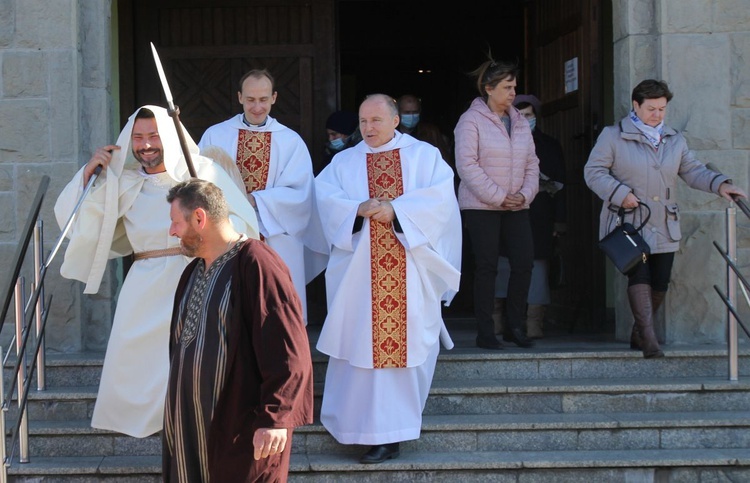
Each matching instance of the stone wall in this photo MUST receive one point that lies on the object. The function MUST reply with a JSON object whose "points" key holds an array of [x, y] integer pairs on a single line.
{"points": [[701, 48], [55, 108]]}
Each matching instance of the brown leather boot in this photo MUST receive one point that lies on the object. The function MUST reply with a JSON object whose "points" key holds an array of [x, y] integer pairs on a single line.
{"points": [[635, 338], [534, 320], [498, 315], [639, 297], [657, 298]]}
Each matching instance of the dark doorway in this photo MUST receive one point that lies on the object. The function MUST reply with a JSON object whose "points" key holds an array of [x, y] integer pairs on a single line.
{"points": [[329, 54], [416, 47]]}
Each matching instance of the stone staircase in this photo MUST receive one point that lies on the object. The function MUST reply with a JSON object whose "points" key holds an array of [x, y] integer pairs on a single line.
{"points": [[571, 409]]}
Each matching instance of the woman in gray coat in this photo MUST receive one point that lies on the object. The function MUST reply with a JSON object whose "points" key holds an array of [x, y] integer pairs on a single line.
{"points": [[639, 160]]}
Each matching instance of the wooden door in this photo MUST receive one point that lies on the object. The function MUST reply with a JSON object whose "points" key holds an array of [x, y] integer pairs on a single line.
{"points": [[565, 33], [206, 46]]}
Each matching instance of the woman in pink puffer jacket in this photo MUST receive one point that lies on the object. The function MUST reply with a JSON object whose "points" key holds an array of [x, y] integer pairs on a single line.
{"points": [[499, 171]]}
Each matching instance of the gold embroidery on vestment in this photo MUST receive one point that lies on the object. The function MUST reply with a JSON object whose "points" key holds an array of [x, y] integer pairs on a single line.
{"points": [[253, 158], [387, 266]]}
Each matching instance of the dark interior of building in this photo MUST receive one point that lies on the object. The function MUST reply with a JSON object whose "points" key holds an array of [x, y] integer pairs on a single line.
{"points": [[419, 48]]}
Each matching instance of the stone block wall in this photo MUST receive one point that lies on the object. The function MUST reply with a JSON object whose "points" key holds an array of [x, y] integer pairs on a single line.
{"points": [[55, 109], [701, 48]]}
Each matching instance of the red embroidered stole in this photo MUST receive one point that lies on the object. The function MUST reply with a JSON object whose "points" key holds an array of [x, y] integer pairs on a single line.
{"points": [[387, 266], [253, 158]]}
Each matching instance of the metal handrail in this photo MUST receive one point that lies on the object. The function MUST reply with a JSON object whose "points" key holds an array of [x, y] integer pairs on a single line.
{"points": [[35, 308], [733, 276]]}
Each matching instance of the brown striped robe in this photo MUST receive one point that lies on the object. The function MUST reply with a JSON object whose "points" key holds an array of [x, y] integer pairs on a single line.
{"points": [[239, 361]]}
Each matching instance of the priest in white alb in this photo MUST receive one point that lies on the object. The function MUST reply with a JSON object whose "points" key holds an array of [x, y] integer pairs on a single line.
{"points": [[393, 225], [275, 166]]}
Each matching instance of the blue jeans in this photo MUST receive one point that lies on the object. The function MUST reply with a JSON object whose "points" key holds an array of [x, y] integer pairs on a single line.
{"points": [[487, 229]]}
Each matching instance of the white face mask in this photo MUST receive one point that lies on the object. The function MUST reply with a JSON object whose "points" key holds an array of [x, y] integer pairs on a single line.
{"points": [[410, 120], [532, 123]]}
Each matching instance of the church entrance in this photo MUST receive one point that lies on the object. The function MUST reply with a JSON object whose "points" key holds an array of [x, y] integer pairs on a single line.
{"points": [[329, 54]]}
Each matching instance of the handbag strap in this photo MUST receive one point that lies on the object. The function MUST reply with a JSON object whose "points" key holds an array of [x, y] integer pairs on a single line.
{"points": [[621, 215]]}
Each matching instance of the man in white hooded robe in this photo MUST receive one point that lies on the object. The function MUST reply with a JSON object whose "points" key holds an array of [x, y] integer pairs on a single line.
{"points": [[126, 212]]}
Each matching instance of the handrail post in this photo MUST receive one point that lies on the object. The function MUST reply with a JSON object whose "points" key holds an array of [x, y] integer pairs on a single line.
{"points": [[3, 448], [732, 335], [23, 441], [41, 379]]}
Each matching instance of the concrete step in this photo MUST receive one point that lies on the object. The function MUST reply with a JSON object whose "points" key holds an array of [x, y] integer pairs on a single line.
{"points": [[723, 464], [458, 433], [567, 357], [494, 396], [531, 466], [597, 396], [569, 409], [120, 469], [560, 361]]}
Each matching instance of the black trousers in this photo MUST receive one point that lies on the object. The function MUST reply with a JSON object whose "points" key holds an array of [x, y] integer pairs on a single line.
{"points": [[655, 272], [488, 229]]}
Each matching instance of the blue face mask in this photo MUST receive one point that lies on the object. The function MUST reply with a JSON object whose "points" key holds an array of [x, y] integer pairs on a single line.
{"points": [[336, 144], [532, 123], [409, 120]]}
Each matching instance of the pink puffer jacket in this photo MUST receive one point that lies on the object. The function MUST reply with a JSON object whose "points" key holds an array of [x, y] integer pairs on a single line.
{"points": [[492, 164]]}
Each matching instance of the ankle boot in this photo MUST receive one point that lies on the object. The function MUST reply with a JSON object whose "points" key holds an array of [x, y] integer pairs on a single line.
{"points": [[498, 315], [534, 321], [639, 297]]}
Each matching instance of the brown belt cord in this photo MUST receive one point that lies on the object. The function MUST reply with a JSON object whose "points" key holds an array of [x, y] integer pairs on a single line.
{"points": [[165, 252]]}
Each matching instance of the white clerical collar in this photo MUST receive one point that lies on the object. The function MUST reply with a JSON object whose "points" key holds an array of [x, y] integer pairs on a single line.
{"points": [[256, 126], [389, 145]]}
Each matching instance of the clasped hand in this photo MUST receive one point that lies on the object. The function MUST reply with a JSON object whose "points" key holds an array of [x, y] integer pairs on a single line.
{"points": [[513, 200], [379, 209]]}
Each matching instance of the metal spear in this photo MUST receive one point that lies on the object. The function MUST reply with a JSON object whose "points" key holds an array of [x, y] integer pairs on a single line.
{"points": [[174, 113]]}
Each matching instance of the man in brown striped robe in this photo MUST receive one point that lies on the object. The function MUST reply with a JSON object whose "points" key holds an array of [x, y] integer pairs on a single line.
{"points": [[240, 369]]}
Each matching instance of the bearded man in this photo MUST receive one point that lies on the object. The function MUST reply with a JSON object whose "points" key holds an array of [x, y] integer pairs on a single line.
{"points": [[240, 376], [126, 213]]}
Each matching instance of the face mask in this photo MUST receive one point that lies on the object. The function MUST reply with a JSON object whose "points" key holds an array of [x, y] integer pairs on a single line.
{"points": [[532, 123], [410, 120], [336, 144]]}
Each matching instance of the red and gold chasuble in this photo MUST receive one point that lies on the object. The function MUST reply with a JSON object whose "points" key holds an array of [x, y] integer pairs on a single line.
{"points": [[253, 158], [387, 266]]}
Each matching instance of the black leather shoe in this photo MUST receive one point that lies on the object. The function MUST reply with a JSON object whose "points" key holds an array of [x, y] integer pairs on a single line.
{"points": [[487, 343], [518, 337], [380, 453]]}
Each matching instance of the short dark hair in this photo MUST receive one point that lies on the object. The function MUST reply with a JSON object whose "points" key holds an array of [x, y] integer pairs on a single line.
{"points": [[492, 72], [650, 89], [197, 193], [144, 113], [258, 74]]}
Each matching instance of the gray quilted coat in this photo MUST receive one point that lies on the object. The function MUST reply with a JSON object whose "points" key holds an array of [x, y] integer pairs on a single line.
{"points": [[623, 161]]}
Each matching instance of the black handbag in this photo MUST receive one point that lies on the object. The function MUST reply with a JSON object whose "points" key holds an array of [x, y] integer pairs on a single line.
{"points": [[624, 245]]}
